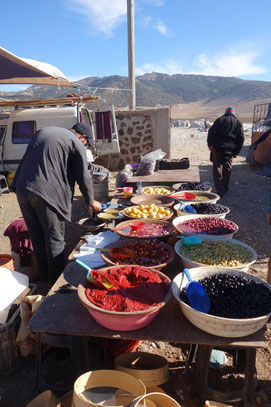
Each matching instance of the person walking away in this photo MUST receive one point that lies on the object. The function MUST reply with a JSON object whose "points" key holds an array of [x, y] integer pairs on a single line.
{"points": [[225, 140], [44, 184]]}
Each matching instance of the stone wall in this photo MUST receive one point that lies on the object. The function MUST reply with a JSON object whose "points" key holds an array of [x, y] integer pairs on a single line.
{"points": [[140, 132]]}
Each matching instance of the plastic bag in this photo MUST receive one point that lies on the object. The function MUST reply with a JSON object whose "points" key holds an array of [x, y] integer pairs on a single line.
{"points": [[148, 162], [124, 175]]}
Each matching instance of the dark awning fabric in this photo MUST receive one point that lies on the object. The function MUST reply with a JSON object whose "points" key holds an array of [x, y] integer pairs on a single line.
{"points": [[15, 70]]}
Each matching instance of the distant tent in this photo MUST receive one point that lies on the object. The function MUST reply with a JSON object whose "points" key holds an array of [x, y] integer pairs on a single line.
{"points": [[15, 70]]}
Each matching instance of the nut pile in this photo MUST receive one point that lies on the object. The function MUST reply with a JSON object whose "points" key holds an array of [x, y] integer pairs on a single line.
{"points": [[209, 208], [148, 212], [155, 191], [208, 226], [235, 296], [217, 253], [194, 186]]}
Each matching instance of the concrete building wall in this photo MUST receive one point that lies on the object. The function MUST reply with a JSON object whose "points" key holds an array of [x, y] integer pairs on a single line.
{"points": [[140, 132]]}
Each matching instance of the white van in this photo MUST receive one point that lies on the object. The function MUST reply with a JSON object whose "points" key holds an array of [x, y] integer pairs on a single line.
{"points": [[18, 127]]}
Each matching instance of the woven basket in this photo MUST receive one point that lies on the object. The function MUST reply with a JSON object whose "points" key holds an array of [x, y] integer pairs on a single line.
{"points": [[31, 271]]}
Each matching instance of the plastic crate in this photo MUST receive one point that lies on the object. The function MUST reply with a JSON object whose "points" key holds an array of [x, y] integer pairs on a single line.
{"points": [[9, 354]]}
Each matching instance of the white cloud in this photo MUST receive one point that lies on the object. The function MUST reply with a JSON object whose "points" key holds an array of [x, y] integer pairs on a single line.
{"points": [[232, 64], [228, 64], [161, 27], [104, 15]]}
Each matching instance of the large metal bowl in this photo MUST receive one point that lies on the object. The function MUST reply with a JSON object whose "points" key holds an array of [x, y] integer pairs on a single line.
{"points": [[224, 327]]}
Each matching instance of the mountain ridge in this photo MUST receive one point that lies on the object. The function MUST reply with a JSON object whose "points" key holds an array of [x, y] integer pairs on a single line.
{"points": [[158, 89]]}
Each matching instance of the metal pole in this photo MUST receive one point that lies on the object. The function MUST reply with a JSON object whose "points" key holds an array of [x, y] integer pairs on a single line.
{"points": [[131, 53]]}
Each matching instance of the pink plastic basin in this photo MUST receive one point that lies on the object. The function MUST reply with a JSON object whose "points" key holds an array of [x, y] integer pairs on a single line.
{"points": [[122, 321]]}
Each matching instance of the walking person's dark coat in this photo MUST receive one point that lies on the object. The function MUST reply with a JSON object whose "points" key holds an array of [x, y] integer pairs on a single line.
{"points": [[225, 140]]}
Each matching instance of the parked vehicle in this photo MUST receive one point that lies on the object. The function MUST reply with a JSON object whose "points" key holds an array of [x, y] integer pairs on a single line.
{"points": [[18, 127]]}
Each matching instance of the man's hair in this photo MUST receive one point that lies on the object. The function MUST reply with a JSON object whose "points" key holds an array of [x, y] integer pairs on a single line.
{"points": [[84, 129]]}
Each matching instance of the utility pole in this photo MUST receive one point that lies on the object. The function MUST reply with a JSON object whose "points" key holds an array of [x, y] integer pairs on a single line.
{"points": [[131, 53]]}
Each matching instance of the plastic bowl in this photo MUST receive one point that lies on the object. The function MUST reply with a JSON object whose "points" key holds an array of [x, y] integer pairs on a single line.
{"points": [[191, 264], [225, 327], [149, 221], [217, 215], [212, 197], [162, 200], [137, 206], [123, 243], [182, 219], [122, 321], [177, 186]]}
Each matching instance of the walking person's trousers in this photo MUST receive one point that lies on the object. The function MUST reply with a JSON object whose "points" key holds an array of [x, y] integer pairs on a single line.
{"points": [[46, 229], [221, 172]]}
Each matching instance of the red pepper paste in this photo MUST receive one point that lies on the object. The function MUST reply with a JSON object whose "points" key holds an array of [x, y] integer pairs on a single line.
{"points": [[134, 288]]}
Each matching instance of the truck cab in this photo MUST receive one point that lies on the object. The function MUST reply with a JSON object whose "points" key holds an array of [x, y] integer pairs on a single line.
{"points": [[19, 126]]}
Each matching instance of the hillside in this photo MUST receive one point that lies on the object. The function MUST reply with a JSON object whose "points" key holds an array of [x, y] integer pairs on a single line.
{"points": [[188, 95]]}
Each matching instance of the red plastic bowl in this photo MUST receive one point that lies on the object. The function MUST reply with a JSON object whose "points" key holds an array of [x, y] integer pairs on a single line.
{"points": [[122, 321]]}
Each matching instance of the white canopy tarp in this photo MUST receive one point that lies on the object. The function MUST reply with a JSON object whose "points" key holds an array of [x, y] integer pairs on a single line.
{"points": [[15, 70]]}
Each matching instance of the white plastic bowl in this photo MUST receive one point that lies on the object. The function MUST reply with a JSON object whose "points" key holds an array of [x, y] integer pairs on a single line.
{"points": [[218, 215], [192, 264], [212, 197], [225, 327], [182, 219]]}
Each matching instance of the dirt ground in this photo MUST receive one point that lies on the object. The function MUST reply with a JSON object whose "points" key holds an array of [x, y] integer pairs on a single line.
{"points": [[248, 200]]}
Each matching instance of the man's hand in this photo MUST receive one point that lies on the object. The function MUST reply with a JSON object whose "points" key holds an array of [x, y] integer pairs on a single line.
{"points": [[94, 207], [211, 148]]}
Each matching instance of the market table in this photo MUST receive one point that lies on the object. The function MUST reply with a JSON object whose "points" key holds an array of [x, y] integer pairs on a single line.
{"points": [[64, 314], [162, 177]]}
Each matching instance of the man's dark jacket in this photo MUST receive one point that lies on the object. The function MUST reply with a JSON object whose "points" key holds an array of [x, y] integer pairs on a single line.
{"points": [[226, 136]]}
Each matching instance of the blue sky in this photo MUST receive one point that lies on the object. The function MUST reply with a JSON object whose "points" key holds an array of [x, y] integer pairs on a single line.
{"points": [[89, 37]]}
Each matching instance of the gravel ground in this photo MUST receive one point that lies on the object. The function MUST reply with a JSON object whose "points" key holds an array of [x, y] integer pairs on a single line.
{"points": [[248, 202]]}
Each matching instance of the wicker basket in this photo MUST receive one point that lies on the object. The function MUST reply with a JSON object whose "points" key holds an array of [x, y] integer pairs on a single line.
{"points": [[31, 271]]}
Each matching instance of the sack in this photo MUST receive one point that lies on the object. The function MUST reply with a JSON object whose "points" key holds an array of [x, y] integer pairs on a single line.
{"points": [[148, 162], [124, 175]]}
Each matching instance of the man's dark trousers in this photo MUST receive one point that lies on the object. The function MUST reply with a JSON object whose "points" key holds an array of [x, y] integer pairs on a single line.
{"points": [[221, 172], [46, 230]]}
